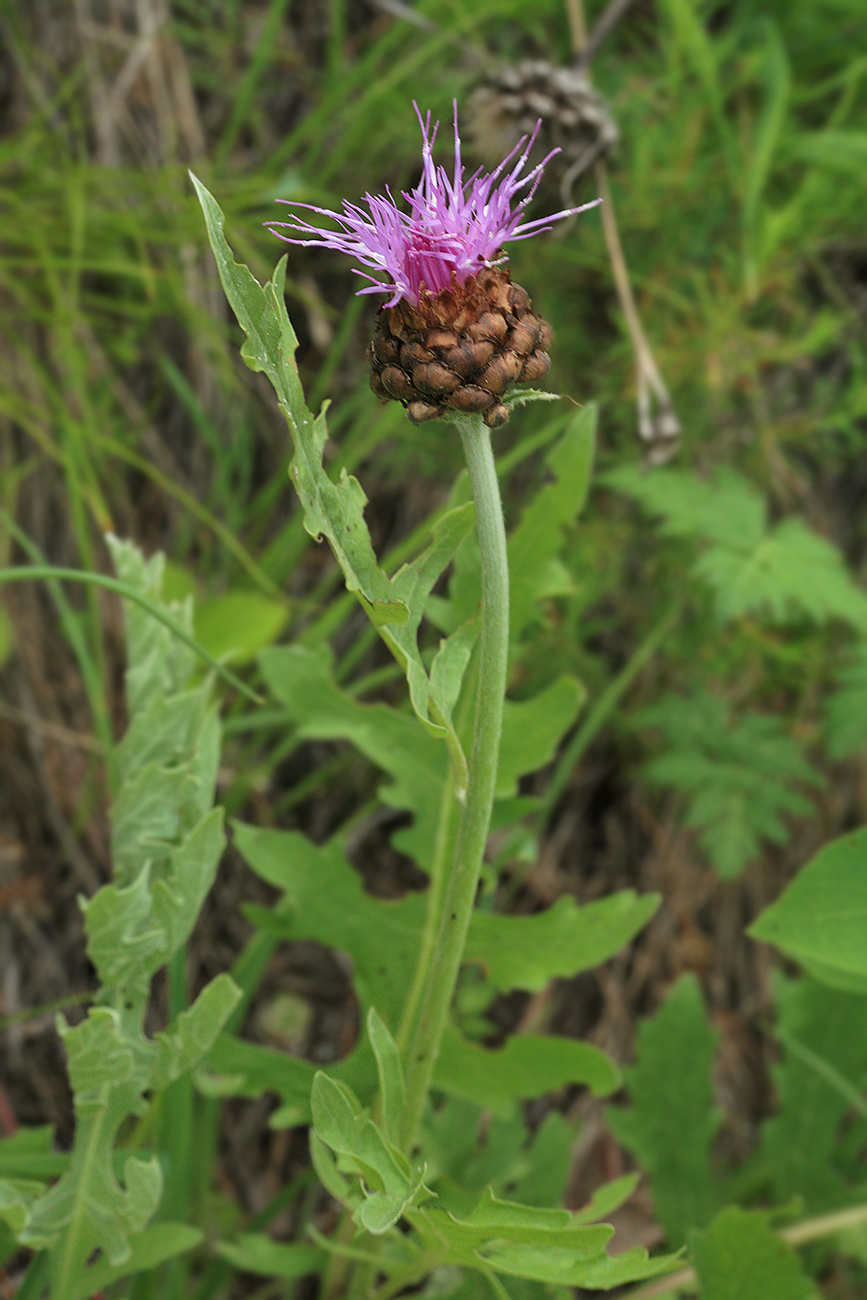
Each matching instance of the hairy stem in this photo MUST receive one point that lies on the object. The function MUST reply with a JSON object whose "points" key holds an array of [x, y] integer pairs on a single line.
{"points": [[456, 900]]}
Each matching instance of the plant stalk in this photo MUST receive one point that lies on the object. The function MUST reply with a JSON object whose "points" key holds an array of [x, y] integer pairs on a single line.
{"points": [[457, 899]]}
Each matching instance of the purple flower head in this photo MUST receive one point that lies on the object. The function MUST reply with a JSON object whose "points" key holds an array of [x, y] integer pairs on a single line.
{"points": [[454, 226]]}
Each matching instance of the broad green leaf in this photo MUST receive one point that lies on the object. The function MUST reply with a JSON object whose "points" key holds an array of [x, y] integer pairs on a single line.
{"points": [[152, 1247], [195, 1032], [255, 1069], [254, 1252], [546, 1245], [237, 625], [823, 1056], [123, 941], [546, 1164], [390, 1072], [163, 732], [820, 919], [158, 663], [329, 904], [739, 1258], [533, 728], [304, 683], [146, 818], [528, 1065], [527, 952], [531, 1225], [671, 1123]]}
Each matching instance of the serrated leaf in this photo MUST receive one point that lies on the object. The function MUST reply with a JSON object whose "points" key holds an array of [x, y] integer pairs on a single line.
{"points": [[158, 663], [330, 905], [195, 1032], [545, 1245], [820, 919], [739, 775], [162, 732], [528, 1065], [740, 1258], [98, 1055], [132, 931], [821, 1032], [527, 952], [792, 576], [336, 510], [303, 681], [179, 893], [156, 1244], [539, 535], [255, 1069], [672, 1120], [784, 574]]}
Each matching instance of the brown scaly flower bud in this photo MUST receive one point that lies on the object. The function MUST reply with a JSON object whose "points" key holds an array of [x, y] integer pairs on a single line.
{"points": [[456, 334], [460, 350]]}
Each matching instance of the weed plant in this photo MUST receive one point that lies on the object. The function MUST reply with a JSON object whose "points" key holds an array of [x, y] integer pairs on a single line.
{"points": [[681, 777]]}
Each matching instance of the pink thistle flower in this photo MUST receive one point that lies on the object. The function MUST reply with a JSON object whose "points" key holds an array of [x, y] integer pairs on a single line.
{"points": [[454, 228]]}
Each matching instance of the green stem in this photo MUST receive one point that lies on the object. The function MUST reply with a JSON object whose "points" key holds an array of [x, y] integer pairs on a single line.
{"points": [[459, 895]]}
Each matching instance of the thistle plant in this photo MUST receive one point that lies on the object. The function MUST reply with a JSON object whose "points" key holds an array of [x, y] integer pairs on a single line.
{"points": [[455, 334], [455, 340]]}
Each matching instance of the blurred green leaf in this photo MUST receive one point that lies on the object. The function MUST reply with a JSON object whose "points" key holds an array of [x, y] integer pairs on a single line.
{"points": [[254, 1252], [390, 1072], [535, 573], [820, 919], [739, 775], [846, 709], [156, 1244], [821, 1042], [739, 1255], [533, 728], [527, 952], [784, 574], [527, 1065], [671, 1122], [239, 624]]}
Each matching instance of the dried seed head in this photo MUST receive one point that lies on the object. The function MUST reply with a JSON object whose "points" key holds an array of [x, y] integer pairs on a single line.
{"points": [[513, 96]]}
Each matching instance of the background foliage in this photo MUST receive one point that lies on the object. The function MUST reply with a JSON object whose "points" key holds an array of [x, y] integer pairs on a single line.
{"points": [[690, 659]]}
